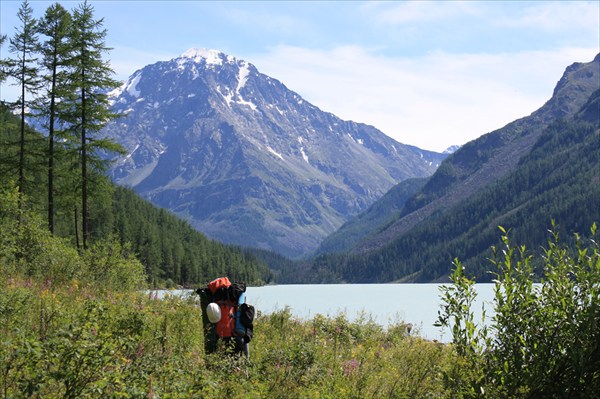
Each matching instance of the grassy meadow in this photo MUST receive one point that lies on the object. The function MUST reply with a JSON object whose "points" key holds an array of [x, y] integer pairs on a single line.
{"points": [[72, 342]]}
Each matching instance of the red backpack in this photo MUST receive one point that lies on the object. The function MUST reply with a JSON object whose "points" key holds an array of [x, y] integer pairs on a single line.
{"points": [[218, 287], [226, 326], [221, 282]]}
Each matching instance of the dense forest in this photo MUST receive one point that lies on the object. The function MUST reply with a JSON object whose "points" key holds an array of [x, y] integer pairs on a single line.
{"points": [[52, 154], [172, 252]]}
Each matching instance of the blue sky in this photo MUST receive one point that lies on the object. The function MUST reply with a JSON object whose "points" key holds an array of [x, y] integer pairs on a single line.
{"points": [[430, 74]]}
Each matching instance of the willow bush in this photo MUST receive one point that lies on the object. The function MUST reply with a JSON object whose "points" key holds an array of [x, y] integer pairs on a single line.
{"points": [[544, 340]]}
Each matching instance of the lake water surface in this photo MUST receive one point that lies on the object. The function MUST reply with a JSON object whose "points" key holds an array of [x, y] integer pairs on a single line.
{"points": [[384, 303]]}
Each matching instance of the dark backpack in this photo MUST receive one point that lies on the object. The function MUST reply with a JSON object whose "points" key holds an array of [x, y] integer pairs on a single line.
{"points": [[229, 296], [247, 313]]}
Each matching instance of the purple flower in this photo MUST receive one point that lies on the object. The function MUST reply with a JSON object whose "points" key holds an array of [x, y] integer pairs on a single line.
{"points": [[349, 367]]}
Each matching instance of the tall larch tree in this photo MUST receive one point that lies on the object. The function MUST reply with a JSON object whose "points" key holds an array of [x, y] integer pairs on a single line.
{"points": [[24, 46], [56, 52], [3, 62], [92, 79]]}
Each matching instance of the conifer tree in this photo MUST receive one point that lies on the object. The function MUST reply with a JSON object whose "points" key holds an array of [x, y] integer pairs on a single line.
{"points": [[92, 78], [56, 53], [24, 71], [3, 62]]}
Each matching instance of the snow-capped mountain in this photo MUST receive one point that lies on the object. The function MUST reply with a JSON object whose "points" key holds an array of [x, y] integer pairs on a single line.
{"points": [[246, 160], [452, 149]]}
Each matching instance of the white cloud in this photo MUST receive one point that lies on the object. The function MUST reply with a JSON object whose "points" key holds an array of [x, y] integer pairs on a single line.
{"points": [[554, 16], [418, 11], [432, 101]]}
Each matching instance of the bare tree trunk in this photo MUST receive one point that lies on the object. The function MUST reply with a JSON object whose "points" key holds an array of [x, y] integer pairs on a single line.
{"points": [[84, 199]]}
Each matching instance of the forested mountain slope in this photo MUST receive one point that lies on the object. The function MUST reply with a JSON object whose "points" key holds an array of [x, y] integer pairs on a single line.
{"points": [[483, 161], [373, 220], [537, 169]]}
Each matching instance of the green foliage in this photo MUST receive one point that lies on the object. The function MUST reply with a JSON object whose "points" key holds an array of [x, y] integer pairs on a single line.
{"points": [[543, 339], [114, 266], [29, 250], [72, 342]]}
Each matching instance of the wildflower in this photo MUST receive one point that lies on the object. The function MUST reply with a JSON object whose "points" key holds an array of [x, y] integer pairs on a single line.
{"points": [[349, 367]]}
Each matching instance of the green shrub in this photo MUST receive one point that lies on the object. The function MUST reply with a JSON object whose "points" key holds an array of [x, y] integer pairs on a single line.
{"points": [[544, 338], [111, 266], [27, 248]]}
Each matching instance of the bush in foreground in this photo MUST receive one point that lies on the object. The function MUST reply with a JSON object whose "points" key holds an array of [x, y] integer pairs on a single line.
{"points": [[544, 340]]}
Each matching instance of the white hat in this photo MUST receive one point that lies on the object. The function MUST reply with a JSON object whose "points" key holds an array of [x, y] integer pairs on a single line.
{"points": [[213, 311]]}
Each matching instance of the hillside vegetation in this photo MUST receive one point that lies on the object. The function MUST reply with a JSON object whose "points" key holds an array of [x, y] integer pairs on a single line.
{"points": [[384, 211]]}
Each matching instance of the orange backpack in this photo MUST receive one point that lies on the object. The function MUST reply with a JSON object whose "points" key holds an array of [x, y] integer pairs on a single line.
{"points": [[221, 282], [226, 326]]}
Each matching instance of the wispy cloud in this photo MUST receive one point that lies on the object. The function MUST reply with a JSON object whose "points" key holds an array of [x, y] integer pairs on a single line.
{"points": [[432, 101], [395, 13], [553, 16]]}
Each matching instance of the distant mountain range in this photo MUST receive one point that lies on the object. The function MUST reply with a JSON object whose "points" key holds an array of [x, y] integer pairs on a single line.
{"points": [[534, 170], [246, 160]]}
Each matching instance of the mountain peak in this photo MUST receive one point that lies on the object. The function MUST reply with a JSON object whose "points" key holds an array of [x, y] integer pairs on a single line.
{"points": [[210, 56], [452, 149]]}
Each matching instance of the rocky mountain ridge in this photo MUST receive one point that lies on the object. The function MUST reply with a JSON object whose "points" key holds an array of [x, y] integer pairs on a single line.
{"points": [[536, 174], [246, 160]]}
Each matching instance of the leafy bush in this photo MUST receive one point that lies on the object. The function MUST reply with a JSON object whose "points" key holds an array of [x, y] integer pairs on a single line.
{"points": [[113, 266], [544, 338], [28, 248]]}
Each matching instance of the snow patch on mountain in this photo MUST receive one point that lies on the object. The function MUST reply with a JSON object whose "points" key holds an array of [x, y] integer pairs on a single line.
{"points": [[272, 151], [235, 96], [243, 73], [132, 86], [304, 156], [133, 151], [211, 57]]}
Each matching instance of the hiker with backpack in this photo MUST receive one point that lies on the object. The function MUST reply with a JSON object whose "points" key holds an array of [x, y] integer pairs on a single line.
{"points": [[226, 316]]}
